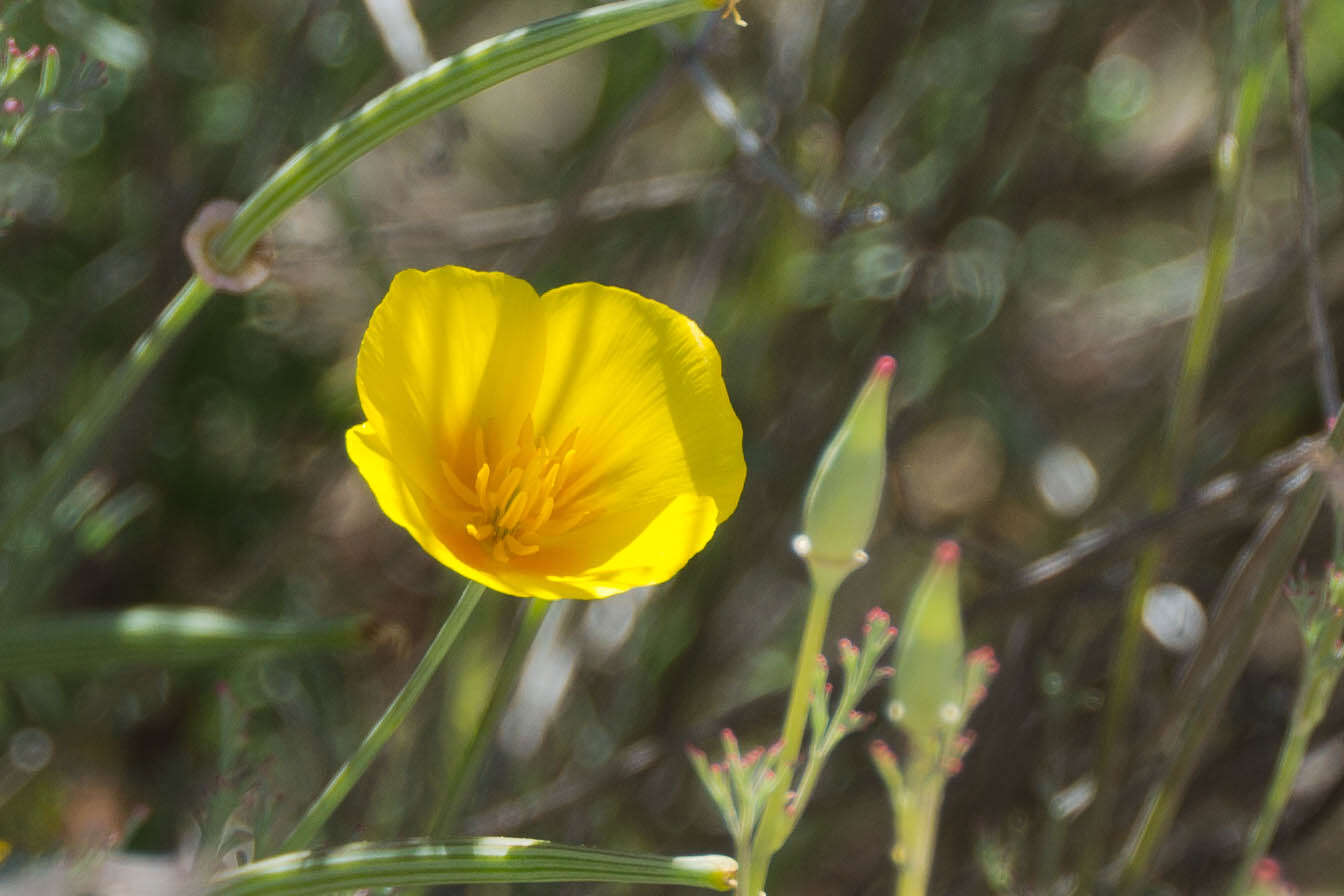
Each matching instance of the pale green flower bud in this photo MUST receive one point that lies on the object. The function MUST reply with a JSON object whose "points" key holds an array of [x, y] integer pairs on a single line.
{"points": [[842, 501], [929, 688], [51, 74]]}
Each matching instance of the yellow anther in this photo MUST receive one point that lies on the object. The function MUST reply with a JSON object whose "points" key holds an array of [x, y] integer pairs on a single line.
{"points": [[483, 485], [519, 548], [517, 492], [514, 512]]}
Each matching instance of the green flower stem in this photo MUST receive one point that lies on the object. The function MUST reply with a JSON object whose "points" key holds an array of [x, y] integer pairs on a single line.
{"points": [[773, 826], [1320, 675], [1244, 601], [400, 707], [506, 682], [1232, 166], [412, 100], [177, 636], [918, 805], [466, 861]]}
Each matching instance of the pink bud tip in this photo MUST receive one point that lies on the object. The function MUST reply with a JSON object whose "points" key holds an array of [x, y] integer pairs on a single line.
{"points": [[885, 367], [33, 52], [952, 767], [13, 106], [51, 49], [821, 662], [1267, 869], [877, 616], [947, 553], [695, 752], [12, 47]]}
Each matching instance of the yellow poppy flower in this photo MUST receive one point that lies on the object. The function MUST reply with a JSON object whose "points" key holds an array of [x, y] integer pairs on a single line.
{"points": [[571, 445]]}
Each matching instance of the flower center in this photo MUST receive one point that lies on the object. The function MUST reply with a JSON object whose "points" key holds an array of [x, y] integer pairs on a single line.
{"points": [[514, 502]]}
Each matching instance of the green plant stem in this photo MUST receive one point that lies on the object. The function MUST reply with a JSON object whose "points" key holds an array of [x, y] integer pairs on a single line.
{"points": [[465, 861], [79, 438], [506, 682], [1232, 166], [773, 827], [1319, 676], [1244, 600], [406, 103], [349, 774], [918, 807], [176, 636]]}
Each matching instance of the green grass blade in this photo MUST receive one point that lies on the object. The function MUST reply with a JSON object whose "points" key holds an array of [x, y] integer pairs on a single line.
{"points": [[167, 636]]}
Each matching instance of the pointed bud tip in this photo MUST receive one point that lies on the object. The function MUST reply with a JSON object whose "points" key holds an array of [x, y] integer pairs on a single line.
{"points": [[947, 553], [884, 367]]}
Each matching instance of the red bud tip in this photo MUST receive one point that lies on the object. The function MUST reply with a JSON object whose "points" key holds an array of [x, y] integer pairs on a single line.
{"points": [[1267, 870], [828, 689], [13, 106], [51, 49], [12, 47], [694, 752], [33, 52], [885, 367], [952, 767], [877, 616], [847, 646], [821, 661], [947, 553]]}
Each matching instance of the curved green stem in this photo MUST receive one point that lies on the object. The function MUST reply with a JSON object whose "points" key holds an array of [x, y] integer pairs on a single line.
{"points": [[412, 100], [506, 682], [468, 861], [349, 774], [175, 636]]}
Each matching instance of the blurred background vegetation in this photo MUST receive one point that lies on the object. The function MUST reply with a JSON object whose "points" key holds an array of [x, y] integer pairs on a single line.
{"points": [[1010, 196]]}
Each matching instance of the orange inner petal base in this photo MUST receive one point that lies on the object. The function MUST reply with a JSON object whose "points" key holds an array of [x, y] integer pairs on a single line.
{"points": [[517, 499]]}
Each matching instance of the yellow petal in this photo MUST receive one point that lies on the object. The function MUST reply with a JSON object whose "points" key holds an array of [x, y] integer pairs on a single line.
{"points": [[644, 388], [448, 351]]}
